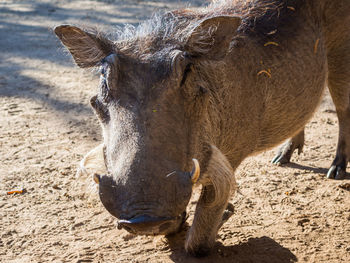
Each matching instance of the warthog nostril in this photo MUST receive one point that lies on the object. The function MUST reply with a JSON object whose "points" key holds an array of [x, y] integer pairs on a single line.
{"points": [[126, 228], [147, 224]]}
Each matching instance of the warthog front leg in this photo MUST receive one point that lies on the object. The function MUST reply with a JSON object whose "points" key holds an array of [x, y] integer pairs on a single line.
{"points": [[285, 152], [218, 184]]}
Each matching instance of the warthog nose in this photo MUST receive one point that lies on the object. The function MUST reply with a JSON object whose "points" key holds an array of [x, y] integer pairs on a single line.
{"points": [[145, 224]]}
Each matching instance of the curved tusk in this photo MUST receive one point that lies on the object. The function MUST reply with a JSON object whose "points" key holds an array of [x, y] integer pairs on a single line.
{"points": [[195, 171], [96, 178]]}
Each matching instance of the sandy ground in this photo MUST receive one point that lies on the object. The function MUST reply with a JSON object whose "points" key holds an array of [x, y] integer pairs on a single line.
{"points": [[284, 214]]}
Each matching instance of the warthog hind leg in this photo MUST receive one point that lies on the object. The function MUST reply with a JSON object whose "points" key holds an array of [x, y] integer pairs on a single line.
{"points": [[339, 87], [338, 167], [285, 152]]}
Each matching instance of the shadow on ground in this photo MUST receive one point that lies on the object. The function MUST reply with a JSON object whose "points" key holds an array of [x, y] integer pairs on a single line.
{"points": [[318, 170], [262, 249]]}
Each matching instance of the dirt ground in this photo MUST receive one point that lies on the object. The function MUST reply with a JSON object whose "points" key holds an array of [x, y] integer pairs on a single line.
{"points": [[283, 214]]}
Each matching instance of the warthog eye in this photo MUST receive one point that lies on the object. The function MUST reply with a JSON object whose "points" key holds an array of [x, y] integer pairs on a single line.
{"points": [[181, 65], [202, 89], [185, 74], [104, 91]]}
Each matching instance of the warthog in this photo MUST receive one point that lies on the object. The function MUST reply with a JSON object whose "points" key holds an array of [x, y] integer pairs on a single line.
{"points": [[189, 94]]}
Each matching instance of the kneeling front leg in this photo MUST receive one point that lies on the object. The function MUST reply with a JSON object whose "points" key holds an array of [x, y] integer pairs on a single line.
{"points": [[212, 208]]}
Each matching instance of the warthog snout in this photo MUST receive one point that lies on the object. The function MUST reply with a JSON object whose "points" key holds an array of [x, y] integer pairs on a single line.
{"points": [[148, 225], [147, 209], [145, 224]]}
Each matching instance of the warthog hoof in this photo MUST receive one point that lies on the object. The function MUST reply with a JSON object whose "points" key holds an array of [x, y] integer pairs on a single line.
{"points": [[284, 153], [227, 213], [204, 247], [336, 172], [200, 251]]}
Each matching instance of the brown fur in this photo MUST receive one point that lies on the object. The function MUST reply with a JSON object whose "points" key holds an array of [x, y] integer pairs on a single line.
{"points": [[196, 83]]}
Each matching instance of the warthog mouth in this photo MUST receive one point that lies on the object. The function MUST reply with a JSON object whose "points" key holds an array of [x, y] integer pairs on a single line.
{"points": [[147, 225]]}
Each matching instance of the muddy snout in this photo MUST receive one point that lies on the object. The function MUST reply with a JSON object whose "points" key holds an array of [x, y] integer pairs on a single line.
{"points": [[148, 225]]}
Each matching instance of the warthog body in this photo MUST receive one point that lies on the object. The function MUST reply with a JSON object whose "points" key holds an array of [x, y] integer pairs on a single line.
{"points": [[217, 84]]}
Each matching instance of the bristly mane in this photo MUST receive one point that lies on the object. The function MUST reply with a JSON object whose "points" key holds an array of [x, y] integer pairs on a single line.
{"points": [[162, 28], [259, 19], [263, 18]]}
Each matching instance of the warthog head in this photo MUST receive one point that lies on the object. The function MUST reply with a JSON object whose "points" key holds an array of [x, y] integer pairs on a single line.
{"points": [[152, 104]]}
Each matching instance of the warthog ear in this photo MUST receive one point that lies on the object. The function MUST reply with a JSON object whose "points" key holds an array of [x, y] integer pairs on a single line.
{"points": [[213, 36], [88, 48]]}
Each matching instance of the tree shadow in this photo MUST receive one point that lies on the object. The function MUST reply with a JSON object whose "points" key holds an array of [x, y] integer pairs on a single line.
{"points": [[36, 41], [261, 249], [44, 95]]}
